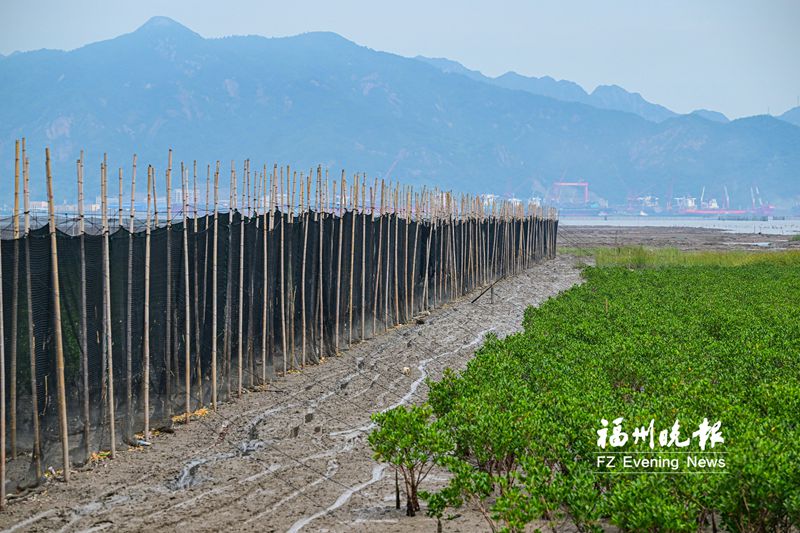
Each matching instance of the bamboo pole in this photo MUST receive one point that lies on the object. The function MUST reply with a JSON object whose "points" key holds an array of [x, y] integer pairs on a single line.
{"points": [[168, 286], [339, 223], [265, 280], [241, 286], [155, 201], [363, 256], [495, 247], [205, 278], [461, 267], [413, 281], [283, 279], [439, 292], [353, 205], [291, 187], [198, 325], [426, 219], [478, 248], [226, 345], [476, 242], [245, 216], [446, 274], [396, 250], [187, 332], [304, 214], [406, 218], [129, 317], [62, 389], [321, 218], [380, 256], [37, 447], [14, 306], [384, 206], [273, 208], [455, 278], [464, 223], [103, 337], [214, 253], [107, 307], [469, 238], [146, 318], [253, 209]]}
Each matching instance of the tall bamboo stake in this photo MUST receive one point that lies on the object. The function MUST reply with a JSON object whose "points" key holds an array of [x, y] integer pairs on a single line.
{"points": [[155, 200], [107, 307], [454, 280], [290, 188], [196, 286], [248, 336], [338, 264], [396, 250], [241, 286], [363, 256], [304, 214], [353, 204], [129, 318], [273, 208], [62, 389], [187, 332], [214, 254], [380, 257], [427, 220], [406, 219], [413, 281], [388, 257], [253, 210], [146, 317], [37, 447], [168, 285], [321, 218], [265, 288], [228, 282], [461, 268], [283, 282], [14, 307], [205, 272], [440, 259]]}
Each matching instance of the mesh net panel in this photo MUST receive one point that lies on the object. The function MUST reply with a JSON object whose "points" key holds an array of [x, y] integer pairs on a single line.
{"points": [[290, 289]]}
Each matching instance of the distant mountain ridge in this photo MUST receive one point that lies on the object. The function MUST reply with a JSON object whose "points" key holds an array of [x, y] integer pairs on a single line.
{"points": [[319, 98], [610, 97], [792, 116]]}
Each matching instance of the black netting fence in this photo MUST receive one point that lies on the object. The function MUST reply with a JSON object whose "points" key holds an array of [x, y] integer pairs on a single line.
{"points": [[280, 292]]}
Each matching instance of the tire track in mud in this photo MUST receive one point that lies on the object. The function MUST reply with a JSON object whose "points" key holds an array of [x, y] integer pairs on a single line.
{"points": [[295, 454], [378, 471], [347, 435]]}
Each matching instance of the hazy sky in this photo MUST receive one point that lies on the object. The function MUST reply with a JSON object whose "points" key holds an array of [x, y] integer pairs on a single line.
{"points": [[738, 57]]}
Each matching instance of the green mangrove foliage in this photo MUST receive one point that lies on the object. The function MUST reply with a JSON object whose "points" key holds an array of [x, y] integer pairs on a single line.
{"points": [[407, 439], [659, 356]]}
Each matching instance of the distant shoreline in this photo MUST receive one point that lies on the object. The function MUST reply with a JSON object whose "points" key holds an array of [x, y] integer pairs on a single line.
{"points": [[788, 226]]}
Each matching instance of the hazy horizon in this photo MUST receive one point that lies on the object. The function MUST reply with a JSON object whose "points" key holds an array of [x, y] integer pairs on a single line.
{"points": [[738, 58]]}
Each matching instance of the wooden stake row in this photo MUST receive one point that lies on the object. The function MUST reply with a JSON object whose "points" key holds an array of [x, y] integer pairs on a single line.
{"points": [[416, 250]]}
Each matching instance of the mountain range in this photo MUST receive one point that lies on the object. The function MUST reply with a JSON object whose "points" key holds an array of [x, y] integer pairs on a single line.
{"points": [[319, 98]]}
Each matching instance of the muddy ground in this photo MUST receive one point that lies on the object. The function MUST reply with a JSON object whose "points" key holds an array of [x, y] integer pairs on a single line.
{"points": [[681, 238], [294, 456]]}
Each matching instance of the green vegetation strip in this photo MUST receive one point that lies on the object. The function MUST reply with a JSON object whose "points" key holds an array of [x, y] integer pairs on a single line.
{"points": [[518, 428]]}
